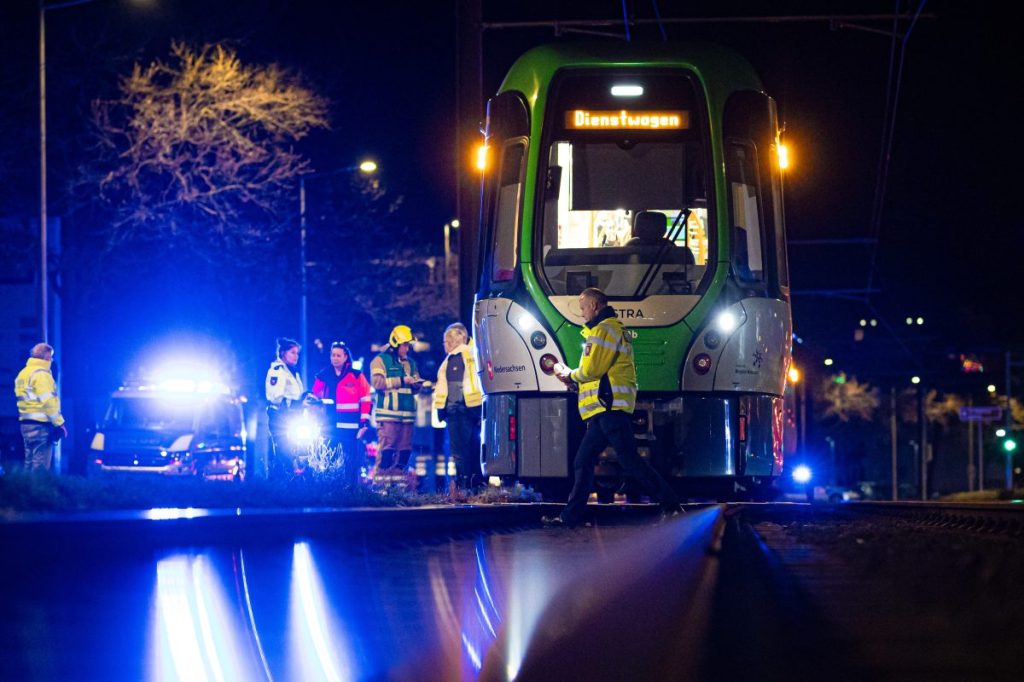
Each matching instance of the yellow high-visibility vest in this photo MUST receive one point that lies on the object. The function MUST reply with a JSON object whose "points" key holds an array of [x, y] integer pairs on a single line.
{"points": [[472, 394], [37, 393], [607, 372]]}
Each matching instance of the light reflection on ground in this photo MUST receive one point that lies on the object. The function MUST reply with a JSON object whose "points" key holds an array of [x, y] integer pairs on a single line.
{"points": [[306, 611]]}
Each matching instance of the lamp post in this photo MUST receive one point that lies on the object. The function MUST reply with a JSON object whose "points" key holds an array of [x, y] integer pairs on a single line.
{"points": [[366, 167], [450, 263], [801, 398], [44, 266], [833, 478]]}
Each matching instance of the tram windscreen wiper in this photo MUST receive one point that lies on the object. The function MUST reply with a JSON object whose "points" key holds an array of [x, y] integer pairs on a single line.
{"points": [[655, 267]]}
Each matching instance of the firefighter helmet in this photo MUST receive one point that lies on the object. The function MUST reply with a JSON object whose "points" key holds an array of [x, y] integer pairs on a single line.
{"points": [[399, 335]]}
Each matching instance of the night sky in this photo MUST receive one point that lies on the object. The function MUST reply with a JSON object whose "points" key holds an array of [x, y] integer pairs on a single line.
{"points": [[950, 235]]}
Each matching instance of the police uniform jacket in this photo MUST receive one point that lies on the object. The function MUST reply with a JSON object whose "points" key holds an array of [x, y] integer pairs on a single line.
{"points": [[284, 387], [607, 373]]}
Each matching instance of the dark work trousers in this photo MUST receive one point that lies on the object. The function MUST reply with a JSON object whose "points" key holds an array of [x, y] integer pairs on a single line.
{"points": [[281, 458], [464, 441], [613, 428], [351, 453], [38, 438]]}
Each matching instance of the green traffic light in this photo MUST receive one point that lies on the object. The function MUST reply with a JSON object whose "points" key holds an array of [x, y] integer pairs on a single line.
{"points": [[1009, 445]]}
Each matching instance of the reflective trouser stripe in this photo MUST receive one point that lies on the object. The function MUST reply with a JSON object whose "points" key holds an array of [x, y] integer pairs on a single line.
{"points": [[346, 425], [346, 406], [33, 417]]}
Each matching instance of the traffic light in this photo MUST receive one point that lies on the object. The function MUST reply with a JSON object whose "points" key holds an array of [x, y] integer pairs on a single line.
{"points": [[1009, 444]]}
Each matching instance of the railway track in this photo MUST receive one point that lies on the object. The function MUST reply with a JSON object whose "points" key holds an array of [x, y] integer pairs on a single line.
{"points": [[725, 592], [870, 591]]}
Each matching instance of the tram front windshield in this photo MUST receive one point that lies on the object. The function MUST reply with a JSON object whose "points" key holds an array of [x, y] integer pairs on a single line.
{"points": [[625, 195]]}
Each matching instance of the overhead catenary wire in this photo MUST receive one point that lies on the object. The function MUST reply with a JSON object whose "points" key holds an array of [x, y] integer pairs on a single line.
{"points": [[888, 128], [661, 24]]}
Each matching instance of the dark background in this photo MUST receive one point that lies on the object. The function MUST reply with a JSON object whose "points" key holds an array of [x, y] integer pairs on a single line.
{"points": [[949, 238]]}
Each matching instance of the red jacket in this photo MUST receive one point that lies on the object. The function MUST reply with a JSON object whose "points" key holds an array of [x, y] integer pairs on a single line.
{"points": [[351, 394]]}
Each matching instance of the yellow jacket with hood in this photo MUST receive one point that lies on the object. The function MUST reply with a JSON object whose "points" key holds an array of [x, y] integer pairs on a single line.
{"points": [[472, 394], [37, 393], [607, 373]]}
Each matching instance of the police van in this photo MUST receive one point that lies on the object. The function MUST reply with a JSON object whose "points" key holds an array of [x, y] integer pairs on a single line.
{"points": [[173, 428]]}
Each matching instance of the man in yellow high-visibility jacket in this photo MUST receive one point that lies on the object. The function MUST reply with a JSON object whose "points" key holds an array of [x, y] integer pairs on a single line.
{"points": [[607, 397], [42, 424]]}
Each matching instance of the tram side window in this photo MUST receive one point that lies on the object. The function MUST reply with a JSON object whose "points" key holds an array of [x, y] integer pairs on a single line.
{"points": [[506, 213], [755, 191], [745, 202]]}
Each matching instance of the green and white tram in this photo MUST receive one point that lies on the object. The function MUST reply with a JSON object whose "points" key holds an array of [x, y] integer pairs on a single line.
{"points": [[653, 173]]}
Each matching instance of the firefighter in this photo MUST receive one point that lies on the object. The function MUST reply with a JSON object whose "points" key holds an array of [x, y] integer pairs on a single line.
{"points": [[394, 376], [285, 391], [349, 417], [42, 424], [457, 398], [607, 396]]}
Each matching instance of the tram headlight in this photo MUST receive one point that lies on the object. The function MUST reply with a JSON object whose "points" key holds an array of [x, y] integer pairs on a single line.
{"points": [[538, 340], [712, 338], [726, 322], [802, 474], [525, 322], [627, 90]]}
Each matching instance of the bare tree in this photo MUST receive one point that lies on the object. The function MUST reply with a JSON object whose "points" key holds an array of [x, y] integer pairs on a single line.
{"points": [[846, 398], [199, 149], [941, 409]]}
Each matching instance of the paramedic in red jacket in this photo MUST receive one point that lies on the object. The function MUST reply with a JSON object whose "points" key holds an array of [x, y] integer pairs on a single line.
{"points": [[350, 392]]}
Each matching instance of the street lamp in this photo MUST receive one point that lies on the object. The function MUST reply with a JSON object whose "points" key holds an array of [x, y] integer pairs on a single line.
{"points": [[801, 396], [832, 457], [448, 261], [44, 266], [367, 167]]}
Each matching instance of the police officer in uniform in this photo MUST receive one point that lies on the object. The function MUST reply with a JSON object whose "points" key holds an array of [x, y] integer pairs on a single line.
{"points": [[607, 397], [284, 391]]}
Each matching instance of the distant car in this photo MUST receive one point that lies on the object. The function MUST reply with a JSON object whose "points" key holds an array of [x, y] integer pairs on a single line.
{"points": [[176, 428], [835, 494]]}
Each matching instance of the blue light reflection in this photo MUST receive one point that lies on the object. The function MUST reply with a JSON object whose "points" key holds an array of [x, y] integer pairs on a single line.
{"points": [[195, 633], [316, 648]]}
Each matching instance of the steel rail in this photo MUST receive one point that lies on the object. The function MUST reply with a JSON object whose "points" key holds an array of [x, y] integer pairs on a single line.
{"points": [[995, 518]]}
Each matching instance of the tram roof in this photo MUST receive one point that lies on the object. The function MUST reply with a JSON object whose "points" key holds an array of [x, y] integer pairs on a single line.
{"points": [[713, 64]]}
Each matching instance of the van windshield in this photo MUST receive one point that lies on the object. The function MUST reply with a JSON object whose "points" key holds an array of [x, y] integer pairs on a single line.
{"points": [[151, 414]]}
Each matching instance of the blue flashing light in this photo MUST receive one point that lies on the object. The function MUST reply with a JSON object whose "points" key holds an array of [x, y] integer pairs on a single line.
{"points": [[303, 430], [802, 474]]}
